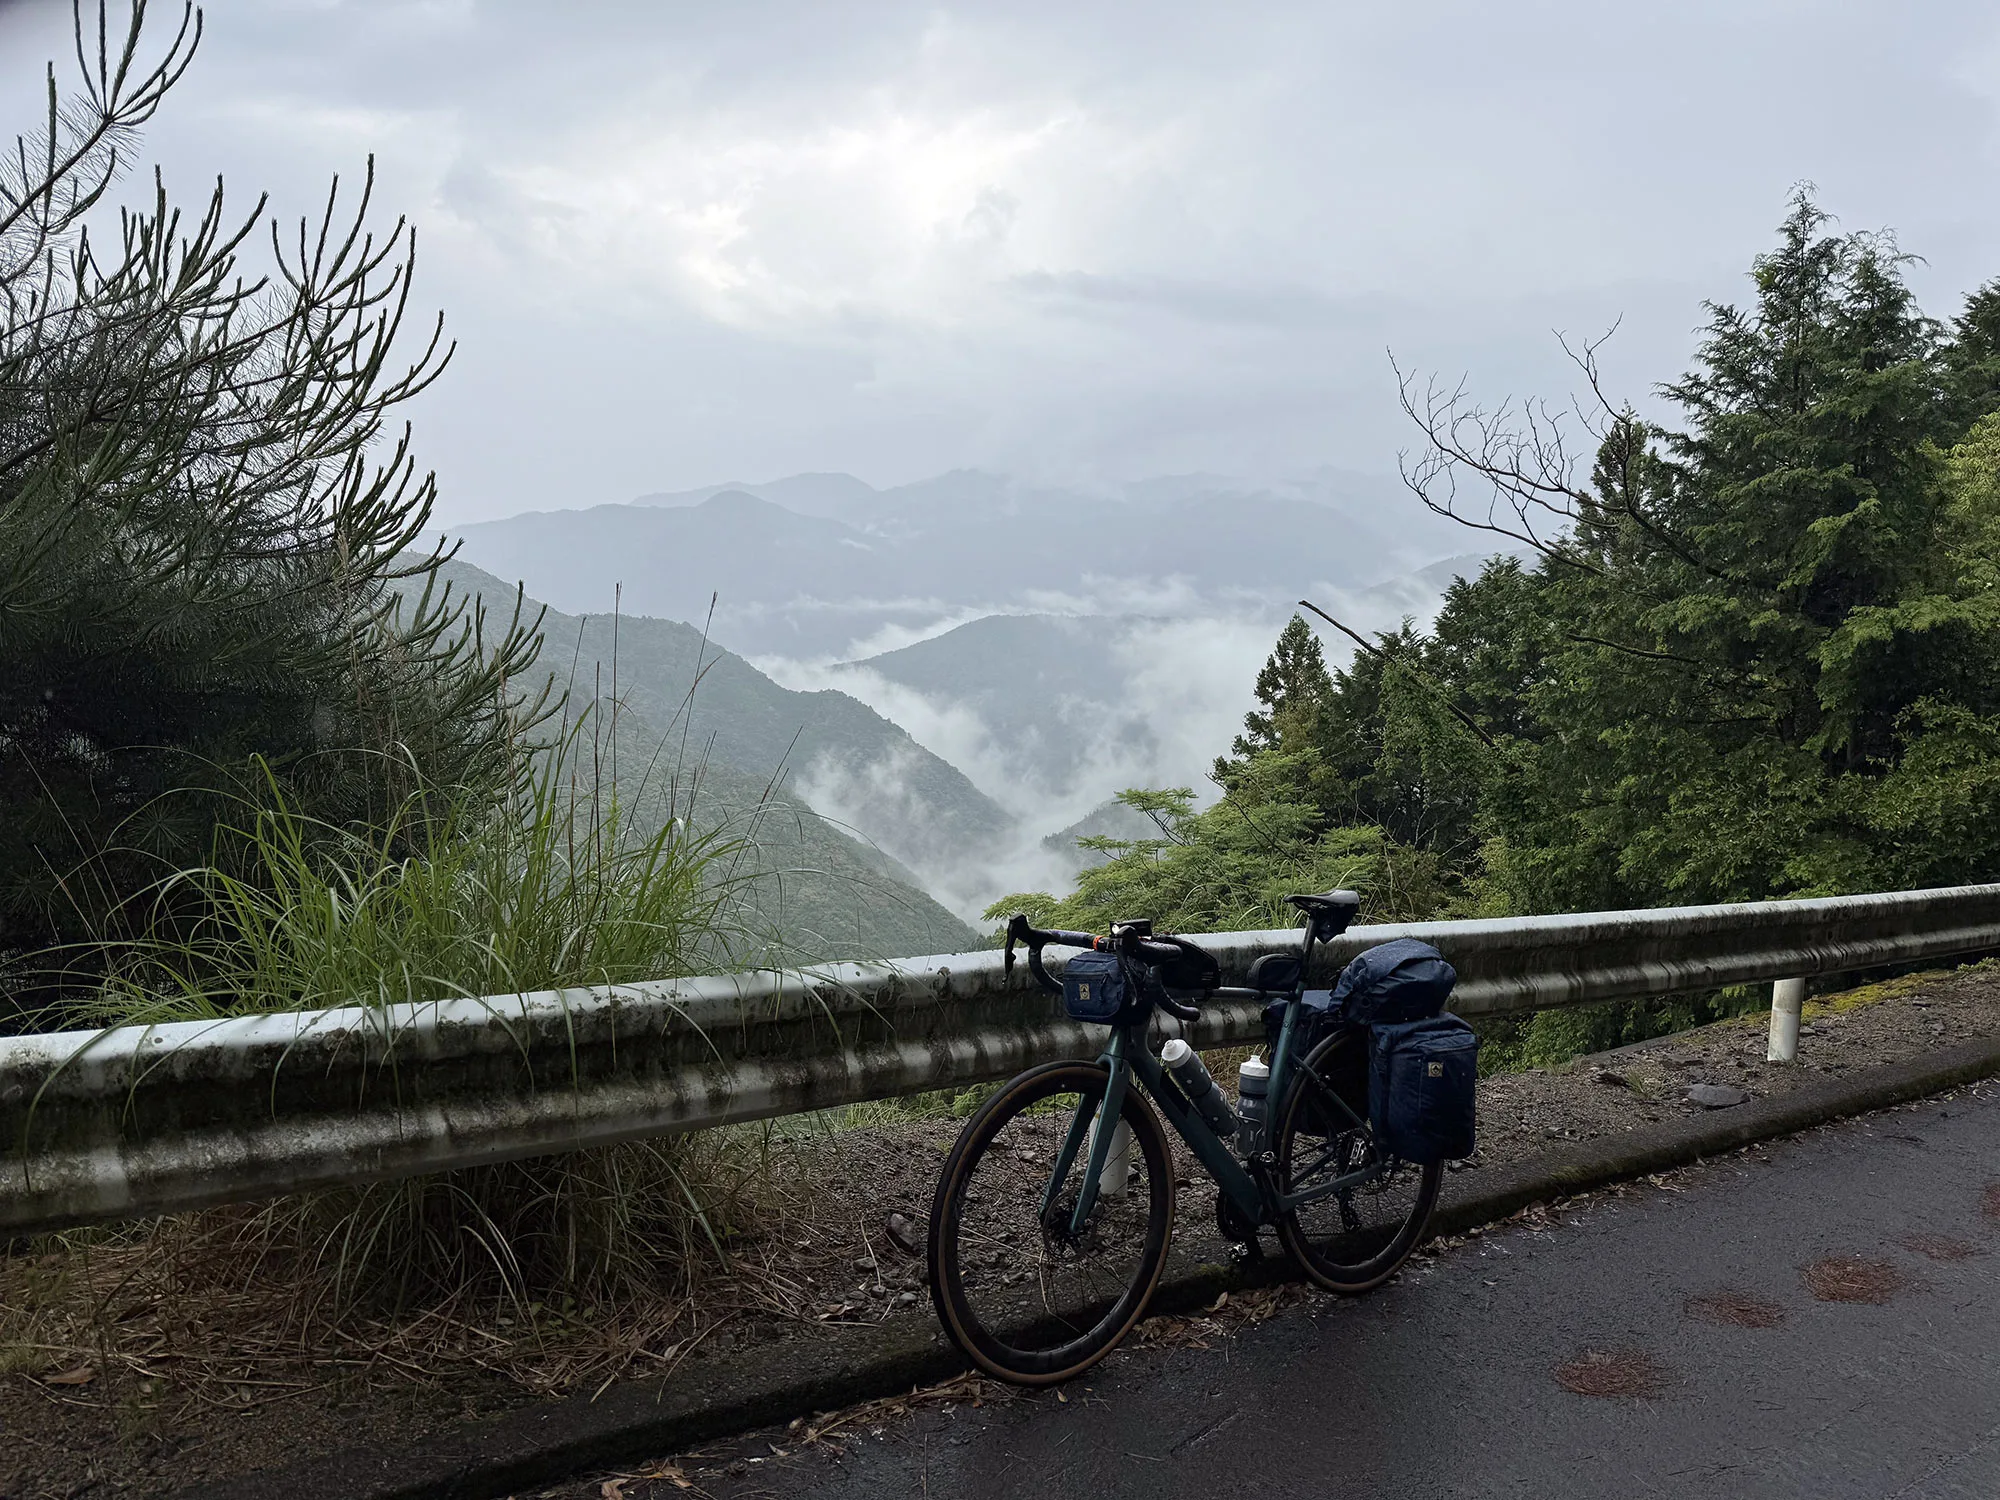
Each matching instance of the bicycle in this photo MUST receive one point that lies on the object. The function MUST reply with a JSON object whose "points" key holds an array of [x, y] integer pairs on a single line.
{"points": [[1037, 1270]]}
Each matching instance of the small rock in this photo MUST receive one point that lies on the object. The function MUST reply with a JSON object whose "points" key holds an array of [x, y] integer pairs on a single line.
{"points": [[1611, 1080], [864, 1262], [1716, 1096], [906, 1299], [904, 1234]]}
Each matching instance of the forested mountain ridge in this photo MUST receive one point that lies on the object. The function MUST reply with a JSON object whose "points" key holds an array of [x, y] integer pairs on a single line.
{"points": [[823, 747], [803, 889]]}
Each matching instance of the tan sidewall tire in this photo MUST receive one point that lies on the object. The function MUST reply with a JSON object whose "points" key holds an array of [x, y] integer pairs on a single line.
{"points": [[979, 1130]]}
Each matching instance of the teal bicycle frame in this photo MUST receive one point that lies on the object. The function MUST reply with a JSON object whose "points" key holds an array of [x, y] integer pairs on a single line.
{"points": [[1252, 1190]]}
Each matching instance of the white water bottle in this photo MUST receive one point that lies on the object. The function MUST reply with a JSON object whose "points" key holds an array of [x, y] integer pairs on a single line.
{"points": [[1253, 1104], [1186, 1066]]}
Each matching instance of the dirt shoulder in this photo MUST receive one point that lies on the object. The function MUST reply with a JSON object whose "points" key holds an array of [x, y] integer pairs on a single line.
{"points": [[158, 1389], [1522, 1114]]}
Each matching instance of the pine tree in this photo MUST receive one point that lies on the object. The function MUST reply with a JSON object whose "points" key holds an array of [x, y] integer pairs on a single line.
{"points": [[210, 570], [1972, 358], [1755, 633]]}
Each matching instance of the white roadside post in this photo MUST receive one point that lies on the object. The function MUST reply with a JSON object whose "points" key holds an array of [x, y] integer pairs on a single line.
{"points": [[1787, 997]]}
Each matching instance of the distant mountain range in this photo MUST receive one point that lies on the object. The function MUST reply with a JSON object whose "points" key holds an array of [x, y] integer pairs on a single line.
{"points": [[818, 566], [1070, 699]]}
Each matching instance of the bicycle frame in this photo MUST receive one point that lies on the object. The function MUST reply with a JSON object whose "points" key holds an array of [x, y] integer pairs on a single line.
{"points": [[1255, 1194]]}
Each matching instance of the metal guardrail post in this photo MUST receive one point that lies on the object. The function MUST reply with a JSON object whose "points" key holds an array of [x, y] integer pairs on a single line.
{"points": [[1787, 997]]}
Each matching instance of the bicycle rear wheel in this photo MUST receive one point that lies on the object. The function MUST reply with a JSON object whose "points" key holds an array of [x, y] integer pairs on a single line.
{"points": [[1351, 1240], [1027, 1299]]}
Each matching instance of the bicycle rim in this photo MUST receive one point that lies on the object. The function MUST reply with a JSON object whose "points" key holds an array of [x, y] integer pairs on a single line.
{"points": [[1352, 1240], [1026, 1297]]}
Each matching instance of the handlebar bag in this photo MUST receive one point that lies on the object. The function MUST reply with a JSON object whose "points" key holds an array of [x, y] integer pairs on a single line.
{"points": [[1394, 982], [1098, 987], [1422, 1094]]}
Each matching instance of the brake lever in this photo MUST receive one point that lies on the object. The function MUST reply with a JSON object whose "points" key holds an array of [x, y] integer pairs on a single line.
{"points": [[1177, 1010], [1041, 974]]}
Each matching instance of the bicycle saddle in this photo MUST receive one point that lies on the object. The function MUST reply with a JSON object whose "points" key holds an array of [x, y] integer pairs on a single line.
{"points": [[1330, 911]]}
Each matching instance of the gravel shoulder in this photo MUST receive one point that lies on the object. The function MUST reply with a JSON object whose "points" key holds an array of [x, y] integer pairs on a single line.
{"points": [[829, 1269]]}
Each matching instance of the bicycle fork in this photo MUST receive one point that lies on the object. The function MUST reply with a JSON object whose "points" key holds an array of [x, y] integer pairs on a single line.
{"points": [[1108, 1161]]}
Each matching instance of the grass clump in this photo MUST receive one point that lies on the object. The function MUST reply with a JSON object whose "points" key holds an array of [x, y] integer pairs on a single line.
{"points": [[453, 894], [540, 1265]]}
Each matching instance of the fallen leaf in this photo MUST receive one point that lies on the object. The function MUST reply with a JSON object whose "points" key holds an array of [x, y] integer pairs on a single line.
{"points": [[612, 1489], [668, 1472], [81, 1375]]}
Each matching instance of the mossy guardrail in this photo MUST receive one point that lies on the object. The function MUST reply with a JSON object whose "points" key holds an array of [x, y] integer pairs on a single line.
{"points": [[143, 1120]]}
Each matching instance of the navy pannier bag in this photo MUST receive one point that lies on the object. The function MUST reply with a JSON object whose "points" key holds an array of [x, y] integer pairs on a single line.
{"points": [[1421, 1096], [1097, 987], [1393, 982], [1317, 1018]]}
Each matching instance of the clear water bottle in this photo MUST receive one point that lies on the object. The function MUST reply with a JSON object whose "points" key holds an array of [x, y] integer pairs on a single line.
{"points": [[1253, 1086], [1186, 1066]]}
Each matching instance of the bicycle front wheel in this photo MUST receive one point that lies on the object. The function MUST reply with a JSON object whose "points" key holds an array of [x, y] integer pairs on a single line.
{"points": [[1352, 1239], [1028, 1297]]}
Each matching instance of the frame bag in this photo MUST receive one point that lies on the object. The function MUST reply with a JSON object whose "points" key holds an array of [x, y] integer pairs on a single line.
{"points": [[1318, 1017], [1422, 1098]]}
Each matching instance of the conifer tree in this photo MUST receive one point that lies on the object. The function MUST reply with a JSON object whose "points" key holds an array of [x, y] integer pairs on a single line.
{"points": [[1293, 689], [210, 562], [1972, 358], [1748, 627]]}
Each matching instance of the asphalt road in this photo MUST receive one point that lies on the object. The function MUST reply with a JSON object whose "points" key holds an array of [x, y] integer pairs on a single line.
{"points": [[1454, 1381]]}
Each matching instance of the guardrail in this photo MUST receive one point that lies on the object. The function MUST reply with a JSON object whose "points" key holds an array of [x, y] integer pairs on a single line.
{"points": [[145, 1120]]}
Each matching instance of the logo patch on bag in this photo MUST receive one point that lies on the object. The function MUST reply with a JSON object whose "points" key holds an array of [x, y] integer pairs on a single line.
{"points": [[1083, 992], [1437, 1070]]}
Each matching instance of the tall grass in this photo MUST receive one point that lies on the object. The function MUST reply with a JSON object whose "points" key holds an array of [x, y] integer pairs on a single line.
{"points": [[552, 885], [452, 894]]}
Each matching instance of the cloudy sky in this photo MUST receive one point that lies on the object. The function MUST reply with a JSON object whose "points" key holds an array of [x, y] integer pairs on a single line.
{"points": [[678, 243]]}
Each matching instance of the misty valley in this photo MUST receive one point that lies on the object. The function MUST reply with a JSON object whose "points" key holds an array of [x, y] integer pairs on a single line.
{"points": [[960, 675]]}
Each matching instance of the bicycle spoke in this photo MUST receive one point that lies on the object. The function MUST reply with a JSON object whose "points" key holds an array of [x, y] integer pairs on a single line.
{"points": [[1356, 1233], [1019, 1272]]}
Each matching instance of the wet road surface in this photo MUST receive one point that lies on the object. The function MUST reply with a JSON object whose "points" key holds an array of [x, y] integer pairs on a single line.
{"points": [[1817, 1318]]}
